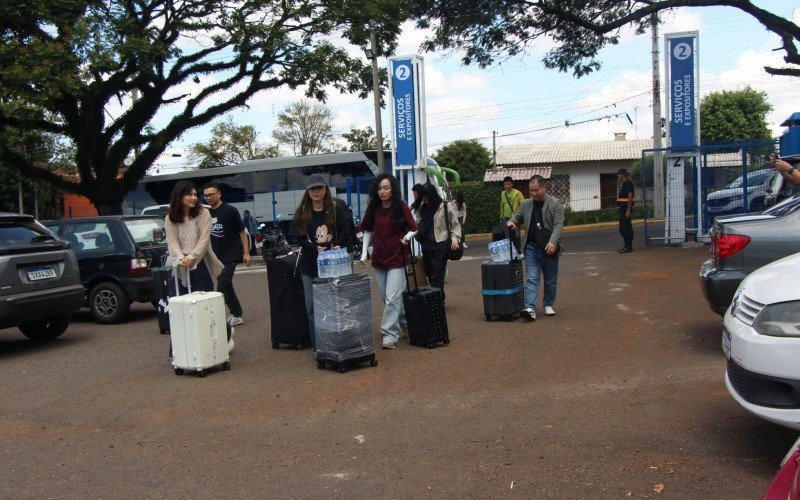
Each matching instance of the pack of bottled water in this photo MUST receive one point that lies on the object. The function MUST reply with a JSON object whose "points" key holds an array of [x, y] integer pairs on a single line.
{"points": [[503, 251], [334, 263]]}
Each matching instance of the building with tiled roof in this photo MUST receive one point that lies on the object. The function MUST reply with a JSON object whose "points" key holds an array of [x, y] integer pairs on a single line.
{"points": [[583, 174]]}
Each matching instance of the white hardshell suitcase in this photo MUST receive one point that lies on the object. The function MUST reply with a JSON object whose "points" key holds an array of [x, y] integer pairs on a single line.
{"points": [[198, 331]]}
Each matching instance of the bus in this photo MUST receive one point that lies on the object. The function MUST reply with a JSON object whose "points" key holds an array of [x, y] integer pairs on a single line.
{"points": [[271, 188]]}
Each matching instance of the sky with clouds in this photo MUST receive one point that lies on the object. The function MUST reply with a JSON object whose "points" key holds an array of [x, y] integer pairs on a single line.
{"points": [[523, 102]]}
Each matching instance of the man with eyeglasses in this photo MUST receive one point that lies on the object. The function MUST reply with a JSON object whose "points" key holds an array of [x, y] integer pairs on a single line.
{"points": [[231, 245]]}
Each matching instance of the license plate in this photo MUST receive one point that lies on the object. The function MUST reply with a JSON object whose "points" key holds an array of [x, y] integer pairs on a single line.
{"points": [[726, 343], [41, 273]]}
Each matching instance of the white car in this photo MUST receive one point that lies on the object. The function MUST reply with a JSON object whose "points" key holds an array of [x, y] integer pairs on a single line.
{"points": [[761, 339]]}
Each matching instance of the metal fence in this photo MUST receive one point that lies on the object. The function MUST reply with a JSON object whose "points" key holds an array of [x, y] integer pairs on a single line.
{"points": [[684, 191]]}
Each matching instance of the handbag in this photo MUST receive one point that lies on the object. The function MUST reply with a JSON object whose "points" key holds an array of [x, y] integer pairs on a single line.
{"points": [[459, 252], [541, 236]]}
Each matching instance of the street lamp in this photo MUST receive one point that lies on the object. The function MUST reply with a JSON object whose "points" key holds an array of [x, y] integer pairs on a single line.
{"points": [[372, 53]]}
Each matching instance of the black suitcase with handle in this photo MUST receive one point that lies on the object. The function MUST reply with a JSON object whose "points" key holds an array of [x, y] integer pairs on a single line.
{"points": [[165, 288], [427, 321], [502, 286], [287, 307]]}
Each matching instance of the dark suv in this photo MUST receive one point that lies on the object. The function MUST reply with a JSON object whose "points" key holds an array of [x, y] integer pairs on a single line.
{"points": [[39, 280], [115, 255]]}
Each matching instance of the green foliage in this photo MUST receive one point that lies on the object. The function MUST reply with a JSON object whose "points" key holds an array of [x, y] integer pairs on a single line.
{"points": [[734, 115], [572, 218], [467, 157], [197, 60], [485, 31], [364, 139], [230, 144], [305, 127], [483, 205]]}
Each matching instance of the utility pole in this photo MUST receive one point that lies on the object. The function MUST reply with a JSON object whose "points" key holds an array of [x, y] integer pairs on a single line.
{"points": [[658, 163], [494, 149], [376, 93]]}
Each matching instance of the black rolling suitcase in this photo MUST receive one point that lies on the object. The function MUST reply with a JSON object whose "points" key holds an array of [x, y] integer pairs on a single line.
{"points": [[427, 321], [502, 287], [343, 321], [165, 288], [287, 307]]}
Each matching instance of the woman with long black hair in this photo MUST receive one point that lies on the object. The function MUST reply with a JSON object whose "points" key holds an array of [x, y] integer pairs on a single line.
{"points": [[438, 232], [319, 224], [389, 226]]}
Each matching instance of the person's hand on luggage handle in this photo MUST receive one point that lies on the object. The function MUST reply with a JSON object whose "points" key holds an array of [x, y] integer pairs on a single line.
{"points": [[186, 261], [512, 225]]}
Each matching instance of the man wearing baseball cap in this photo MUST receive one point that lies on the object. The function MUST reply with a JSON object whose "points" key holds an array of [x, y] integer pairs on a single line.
{"points": [[625, 204]]}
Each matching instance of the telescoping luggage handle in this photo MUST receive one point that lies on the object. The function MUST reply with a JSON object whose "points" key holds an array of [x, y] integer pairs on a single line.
{"points": [[175, 275], [510, 232], [413, 269]]}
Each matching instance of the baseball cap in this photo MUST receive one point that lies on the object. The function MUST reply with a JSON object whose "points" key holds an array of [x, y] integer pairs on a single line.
{"points": [[316, 180], [622, 171]]}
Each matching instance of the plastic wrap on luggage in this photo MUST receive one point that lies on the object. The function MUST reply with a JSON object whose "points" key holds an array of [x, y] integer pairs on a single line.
{"points": [[343, 318]]}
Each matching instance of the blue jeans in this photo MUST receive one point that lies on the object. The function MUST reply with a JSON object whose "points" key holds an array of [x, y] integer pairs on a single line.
{"points": [[391, 283], [538, 263], [308, 292]]}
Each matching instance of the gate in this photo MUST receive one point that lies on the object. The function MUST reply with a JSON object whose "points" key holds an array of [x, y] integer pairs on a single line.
{"points": [[684, 191]]}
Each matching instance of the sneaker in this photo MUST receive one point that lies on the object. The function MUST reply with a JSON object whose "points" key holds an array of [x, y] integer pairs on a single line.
{"points": [[389, 345], [549, 311], [230, 342], [235, 320], [528, 313]]}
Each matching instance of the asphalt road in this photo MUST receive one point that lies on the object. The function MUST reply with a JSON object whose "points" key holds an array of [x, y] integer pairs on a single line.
{"points": [[620, 392]]}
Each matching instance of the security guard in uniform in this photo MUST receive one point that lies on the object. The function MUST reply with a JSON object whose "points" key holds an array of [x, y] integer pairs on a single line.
{"points": [[625, 204]]}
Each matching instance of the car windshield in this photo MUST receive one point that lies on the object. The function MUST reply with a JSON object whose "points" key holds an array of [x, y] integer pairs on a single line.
{"points": [[753, 178], [783, 208], [22, 232], [142, 230]]}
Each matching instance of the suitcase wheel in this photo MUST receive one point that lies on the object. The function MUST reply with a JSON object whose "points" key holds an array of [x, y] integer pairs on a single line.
{"points": [[321, 365], [275, 345], [431, 345], [178, 371], [373, 362], [298, 346], [164, 331], [446, 341], [201, 373], [226, 366], [488, 317], [342, 369], [510, 317]]}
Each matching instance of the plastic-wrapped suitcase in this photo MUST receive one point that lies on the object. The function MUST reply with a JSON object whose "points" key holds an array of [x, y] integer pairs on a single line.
{"points": [[165, 288], [427, 321], [287, 306], [502, 289], [343, 321], [198, 331]]}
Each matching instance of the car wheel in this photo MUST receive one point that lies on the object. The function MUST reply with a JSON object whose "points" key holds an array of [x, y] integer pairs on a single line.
{"points": [[109, 303], [46, 329]]}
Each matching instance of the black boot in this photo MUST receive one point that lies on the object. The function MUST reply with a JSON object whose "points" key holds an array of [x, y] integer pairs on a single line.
{"points": [[628, 248]]}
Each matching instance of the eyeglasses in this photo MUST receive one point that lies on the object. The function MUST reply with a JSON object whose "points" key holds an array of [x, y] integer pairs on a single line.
{"points": [[210, 195]]}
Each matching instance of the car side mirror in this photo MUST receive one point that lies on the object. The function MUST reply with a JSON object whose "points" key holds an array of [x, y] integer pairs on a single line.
{"points": [[159, 235]]}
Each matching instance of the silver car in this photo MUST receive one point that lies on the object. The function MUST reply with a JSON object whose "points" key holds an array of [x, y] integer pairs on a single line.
{"points": [[740, 244], [40, 285]]}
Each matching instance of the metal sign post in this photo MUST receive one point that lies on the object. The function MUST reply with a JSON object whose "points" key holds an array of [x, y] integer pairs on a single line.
{"points": [[409, 147]]}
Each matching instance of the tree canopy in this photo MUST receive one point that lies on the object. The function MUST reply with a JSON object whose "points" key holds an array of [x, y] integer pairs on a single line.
{"points": [[467, 157], [734, 115], [70, 68], [230, 144], [306, 127], [363, 139], [488, 29]]}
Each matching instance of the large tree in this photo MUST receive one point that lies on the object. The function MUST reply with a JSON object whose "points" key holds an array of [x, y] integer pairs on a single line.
{"points": [[82, 60], [230, 144], [489, 29], [364, 139], [469, 158], [306, 127], [734, 115]]}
